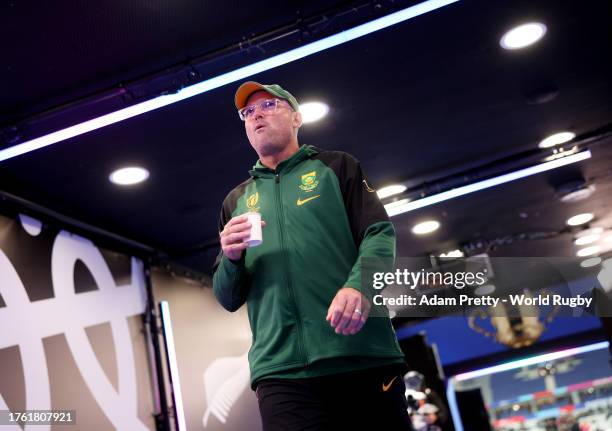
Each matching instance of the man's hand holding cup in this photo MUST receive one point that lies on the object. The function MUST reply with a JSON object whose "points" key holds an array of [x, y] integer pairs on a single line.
{"points": [[240, 233]]}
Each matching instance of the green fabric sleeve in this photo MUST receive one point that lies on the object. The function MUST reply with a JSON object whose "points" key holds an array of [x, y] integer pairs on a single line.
{"points": [[377, 251], [229, 283]]}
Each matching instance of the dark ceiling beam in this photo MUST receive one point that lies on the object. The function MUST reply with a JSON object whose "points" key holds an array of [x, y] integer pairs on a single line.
{"points": [[177, 76], [14, 205], [504, 165]]}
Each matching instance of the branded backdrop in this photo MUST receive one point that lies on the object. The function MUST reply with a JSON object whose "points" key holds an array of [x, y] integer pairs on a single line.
{"points": [[211, 348], [71, 332]]}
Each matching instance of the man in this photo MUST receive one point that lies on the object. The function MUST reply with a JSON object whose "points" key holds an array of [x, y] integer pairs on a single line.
{"points": [[317, 362]]}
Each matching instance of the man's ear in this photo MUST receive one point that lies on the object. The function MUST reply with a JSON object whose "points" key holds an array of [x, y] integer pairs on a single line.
{"points": [[297, 119]]}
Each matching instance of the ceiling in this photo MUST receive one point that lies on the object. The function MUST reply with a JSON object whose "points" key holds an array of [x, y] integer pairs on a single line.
{"points": [[430, 102]]}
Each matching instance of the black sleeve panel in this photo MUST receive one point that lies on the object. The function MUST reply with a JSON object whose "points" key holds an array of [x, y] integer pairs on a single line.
{"points": [[362, 204], [228, 207]]}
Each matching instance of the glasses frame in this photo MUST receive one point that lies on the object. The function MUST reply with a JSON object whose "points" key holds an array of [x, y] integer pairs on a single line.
{"points": [[260, 105]]}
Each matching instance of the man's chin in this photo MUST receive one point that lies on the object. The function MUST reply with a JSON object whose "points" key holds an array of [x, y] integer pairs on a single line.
{"points": [[268, 149]]}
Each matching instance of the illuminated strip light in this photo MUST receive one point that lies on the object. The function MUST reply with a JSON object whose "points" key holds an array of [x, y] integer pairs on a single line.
{"points": [[394, 209], [174, 373], [451, 396], [531, 361], [226, 78]]}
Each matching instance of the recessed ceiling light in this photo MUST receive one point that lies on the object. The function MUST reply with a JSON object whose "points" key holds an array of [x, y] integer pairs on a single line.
{"points": [[592, 261], [523, 35], [588, 251], [453, 253], [593, 230], [556, 139], [579, 194], [586, 239], [425, 227], [580, 219], [313, 111], [391, 190], [129, 176]]}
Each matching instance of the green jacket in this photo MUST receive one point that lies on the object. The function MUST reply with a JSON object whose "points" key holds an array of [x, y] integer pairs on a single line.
{"points": [[321, 218]]}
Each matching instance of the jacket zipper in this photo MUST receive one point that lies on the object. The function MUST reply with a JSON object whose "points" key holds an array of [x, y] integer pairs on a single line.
{"points": [[280, 217]]}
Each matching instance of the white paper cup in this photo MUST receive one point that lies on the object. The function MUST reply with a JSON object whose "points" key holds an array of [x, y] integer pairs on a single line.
{"points": [[254, 238]]}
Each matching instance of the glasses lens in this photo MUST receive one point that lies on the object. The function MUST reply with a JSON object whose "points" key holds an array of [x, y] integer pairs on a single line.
{"points": [[267, 106], [246, 113]]}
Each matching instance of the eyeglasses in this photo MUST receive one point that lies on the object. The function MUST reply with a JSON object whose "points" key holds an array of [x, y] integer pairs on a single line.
{"points": [[267, 106]]}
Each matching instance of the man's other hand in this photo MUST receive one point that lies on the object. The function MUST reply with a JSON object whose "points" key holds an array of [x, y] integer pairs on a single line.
{"points": [[233, 236], [348, 311]]}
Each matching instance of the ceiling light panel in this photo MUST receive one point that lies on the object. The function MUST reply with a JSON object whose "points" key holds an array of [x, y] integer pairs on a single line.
{"points": [[588, 251], [523, 36], [129, 176], [391, 190], [426, 227], [556, 139], [313, 111], [579, 219]]}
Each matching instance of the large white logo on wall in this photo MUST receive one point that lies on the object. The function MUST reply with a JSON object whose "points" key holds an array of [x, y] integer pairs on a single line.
{"points": [[69, 313], [225, 380]]}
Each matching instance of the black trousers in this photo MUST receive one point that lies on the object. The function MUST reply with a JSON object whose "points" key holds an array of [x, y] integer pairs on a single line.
{"points": [[361, 400]]}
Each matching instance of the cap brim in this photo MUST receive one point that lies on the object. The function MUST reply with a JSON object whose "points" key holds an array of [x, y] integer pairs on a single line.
{"points": [[244, 91]]}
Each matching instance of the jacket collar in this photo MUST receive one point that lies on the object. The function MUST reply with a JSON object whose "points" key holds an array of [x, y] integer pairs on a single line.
{"points": [[304, 152]]}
